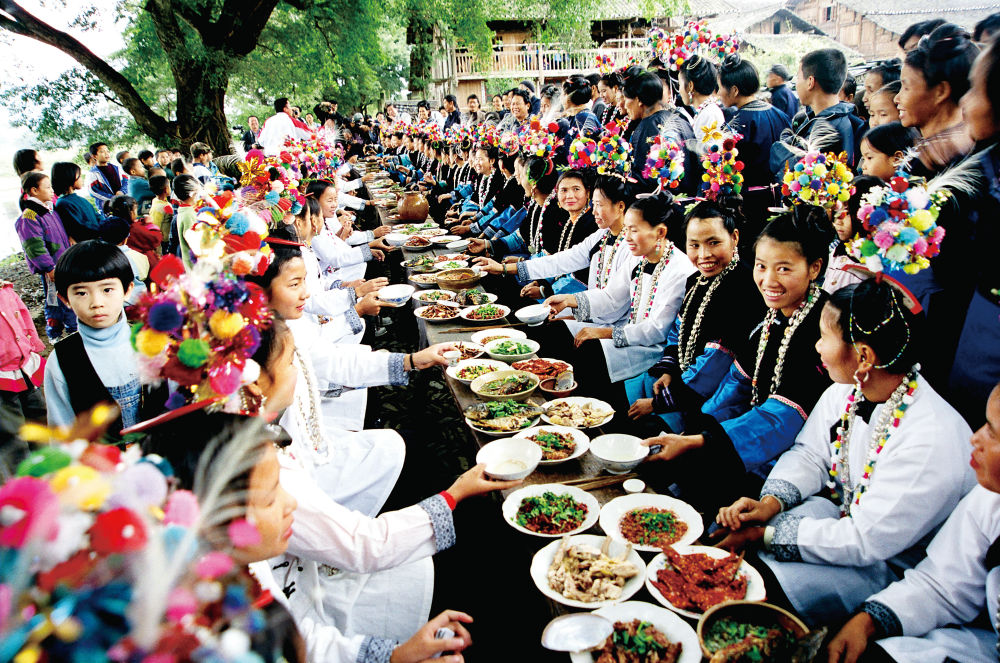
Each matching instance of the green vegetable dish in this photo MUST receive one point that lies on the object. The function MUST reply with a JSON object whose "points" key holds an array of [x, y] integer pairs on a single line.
{"points": [[499, 409], [638, 641], [549, 513], [555, 446], [511, 347], [749, 643]]}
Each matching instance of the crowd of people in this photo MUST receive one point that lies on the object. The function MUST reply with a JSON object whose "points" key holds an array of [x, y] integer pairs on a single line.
{"points": [[788, 296]]}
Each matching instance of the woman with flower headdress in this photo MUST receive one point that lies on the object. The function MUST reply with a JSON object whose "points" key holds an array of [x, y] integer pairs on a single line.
{"points": [[775, 380], [629, 318], [643, 94], [699, 81], [719, 310], [890, 452]]}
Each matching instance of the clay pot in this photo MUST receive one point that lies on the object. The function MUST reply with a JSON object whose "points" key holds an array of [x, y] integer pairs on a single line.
{"points": [[413, 207]]}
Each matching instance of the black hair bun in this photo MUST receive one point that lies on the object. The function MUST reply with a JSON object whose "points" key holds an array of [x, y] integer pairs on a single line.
{"points": [[731, 61], [948, 40]]}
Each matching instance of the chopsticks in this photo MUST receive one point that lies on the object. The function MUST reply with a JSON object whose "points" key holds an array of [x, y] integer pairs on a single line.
{"points": [[458, 330], [592, 483]]}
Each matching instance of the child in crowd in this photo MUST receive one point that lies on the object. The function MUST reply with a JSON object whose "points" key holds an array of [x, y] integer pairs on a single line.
{"points": [[138, 185], [145, 236], [21, 370], [201, 157], [79, 216], [96, 365], [161, 212], [44, 239], [109, 178], [883, 149], [847, 226], [186, 189], [118, 232], [178, 167]]}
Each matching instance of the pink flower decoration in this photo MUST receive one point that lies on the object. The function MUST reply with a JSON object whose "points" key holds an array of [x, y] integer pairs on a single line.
{"points": [[6, 597], [883, 239], [938, 234], [182, 509], [242, 533], [28, 510], [180, 604], [920, 246], [213, 565]]}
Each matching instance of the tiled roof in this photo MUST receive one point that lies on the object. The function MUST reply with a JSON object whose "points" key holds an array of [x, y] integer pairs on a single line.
{"points": [[965, 13]]}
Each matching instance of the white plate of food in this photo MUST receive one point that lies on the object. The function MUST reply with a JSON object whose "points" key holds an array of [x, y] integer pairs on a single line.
{"points": [[420, 264], [558, 443], [587, 571], [446, 239], [665, 624], [468, 350], [550, 510], [433, 296], [645, 520], [542, 367], [498, 385], [424, 280], [467, 370], [450, 264], [440, 312], [501, 418], [417, 243], [475, 297], [577, 412], [485, 313], [432, 232], [450, 256], [729, 577], [487, 335]]}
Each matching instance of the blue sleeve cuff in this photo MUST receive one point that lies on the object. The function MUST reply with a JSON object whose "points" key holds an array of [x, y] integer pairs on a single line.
{"points": [[618, 335], [887, 624], [522, 271], [370, 236], [784, 546], [441, 520], [366, 252], [582, 310], [354, 320], [784, 491], [352, 295], [397, 376], [337, 284], [375, 650]]}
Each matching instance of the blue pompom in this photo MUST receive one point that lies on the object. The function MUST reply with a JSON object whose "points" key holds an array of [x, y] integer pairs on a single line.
{"points": [[175, 401], [272, 197], [165, 317], [238, 223], [877, 216], [909, 235]]}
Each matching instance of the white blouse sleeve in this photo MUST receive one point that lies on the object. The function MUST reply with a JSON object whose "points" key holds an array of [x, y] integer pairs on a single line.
{"points": [[573, 259], [348, 186], [949, 585], [334, 252], [328, 533], [352, 365], [606, 306]]}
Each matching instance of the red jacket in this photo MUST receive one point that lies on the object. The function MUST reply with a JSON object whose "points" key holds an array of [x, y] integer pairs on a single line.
{"points": [[145, 238], [19, 342]]}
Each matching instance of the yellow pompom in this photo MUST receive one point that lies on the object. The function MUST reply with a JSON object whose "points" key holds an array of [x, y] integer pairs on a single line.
{"points": [[911, 268], [29, 654], [819, 170], [833, 189], [81, 486], [788, 176], [921, 220], [151, 342], [226, 325]]}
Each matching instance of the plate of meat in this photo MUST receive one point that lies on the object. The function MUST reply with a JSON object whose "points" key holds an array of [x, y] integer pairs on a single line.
{"points": [[440, 312], [691, 579], [587, 571], [643, 633], [651, 522], [558, 443], [542, 367]]}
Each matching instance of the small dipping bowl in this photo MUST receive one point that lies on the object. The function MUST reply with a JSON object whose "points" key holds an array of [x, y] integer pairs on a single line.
{"points": [[533, 315], [618, 453], [633, 486], [395, 239], [452, 356], [510, 458], [397, 294], [549, 387]]}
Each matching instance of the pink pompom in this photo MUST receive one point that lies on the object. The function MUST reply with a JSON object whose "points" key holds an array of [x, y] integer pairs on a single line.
{"points": [[180, 604], [213, 565], [243, 533], [883, 240], [182, 509]]}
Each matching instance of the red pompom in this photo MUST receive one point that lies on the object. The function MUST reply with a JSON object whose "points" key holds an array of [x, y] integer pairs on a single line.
{"points": [[166, 270], [117, 531]]}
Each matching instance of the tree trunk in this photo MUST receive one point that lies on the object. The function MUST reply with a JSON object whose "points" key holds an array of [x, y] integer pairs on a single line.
{"points": [[202, 115]]}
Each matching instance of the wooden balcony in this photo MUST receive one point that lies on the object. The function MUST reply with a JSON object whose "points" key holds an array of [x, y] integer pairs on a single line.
{"points": [[540, 61]]}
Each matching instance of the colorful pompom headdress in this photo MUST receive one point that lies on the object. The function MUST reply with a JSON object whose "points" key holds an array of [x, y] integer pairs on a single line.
{"points": [[819, 179], [723, 170], [673, 50], [200, 333], [665, 161], [613, 154]]}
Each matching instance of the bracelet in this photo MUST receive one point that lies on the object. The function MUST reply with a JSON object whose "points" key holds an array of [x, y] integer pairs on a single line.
{"points": [[410, 357]]}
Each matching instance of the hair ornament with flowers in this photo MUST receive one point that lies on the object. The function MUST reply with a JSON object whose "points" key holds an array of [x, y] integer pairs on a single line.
{"points": [[723, 174], [540, 142], [695, 39], [665, 161], [613, 154], [819, 179], [604, 63], [200, 333]]}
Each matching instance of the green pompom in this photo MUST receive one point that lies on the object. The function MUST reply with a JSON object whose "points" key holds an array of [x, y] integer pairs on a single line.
{"points": [[136, 328], [193, 352], [44, 460], [868, 248]]}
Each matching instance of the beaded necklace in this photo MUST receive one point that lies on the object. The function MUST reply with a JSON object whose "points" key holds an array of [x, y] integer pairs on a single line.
{"points": [[637, 285], [604, 261], [840, 467], [306, 412], [705, 104], [570, 224], [483, 190], [535, 243], [793, 323], [687, 336]]}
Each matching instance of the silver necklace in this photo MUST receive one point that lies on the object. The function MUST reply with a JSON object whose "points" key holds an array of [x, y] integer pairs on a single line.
{"points": [[793, 323], [687, 336]]}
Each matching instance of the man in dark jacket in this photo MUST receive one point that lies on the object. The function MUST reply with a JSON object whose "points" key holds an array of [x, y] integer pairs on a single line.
{"points": [[782, 97], [535, 105], [830, 123]]}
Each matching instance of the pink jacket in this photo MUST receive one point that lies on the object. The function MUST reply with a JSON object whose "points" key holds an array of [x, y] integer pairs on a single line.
{"points": [[19, 342]]}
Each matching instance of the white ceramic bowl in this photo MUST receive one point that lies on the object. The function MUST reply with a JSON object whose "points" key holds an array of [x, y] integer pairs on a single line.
{"points": [[542, 560], [755, 582], [453, 371], [505, 333], [513, 502], [424, 281], [491, 349], [395, 239], [579, 437], [533, 315], [457, 245], [509, 458], [633, 486], [467, 312], [618, 453], [613, 512], [666, 622], [397, 294]]}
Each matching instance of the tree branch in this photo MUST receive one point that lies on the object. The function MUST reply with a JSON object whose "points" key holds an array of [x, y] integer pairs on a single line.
{"points": [[20, 22]]}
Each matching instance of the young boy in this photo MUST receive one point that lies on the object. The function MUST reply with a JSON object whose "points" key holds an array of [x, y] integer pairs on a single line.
{"points": [[201, 157], [138, 186], [161, 212], [108, 179], [97, 364]]}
